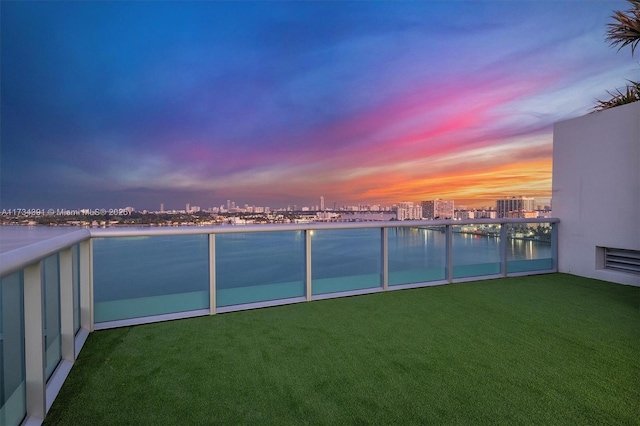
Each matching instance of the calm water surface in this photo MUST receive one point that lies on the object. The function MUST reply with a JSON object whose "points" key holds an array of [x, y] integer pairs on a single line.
{"points": [[133, 265], [245, 259]]}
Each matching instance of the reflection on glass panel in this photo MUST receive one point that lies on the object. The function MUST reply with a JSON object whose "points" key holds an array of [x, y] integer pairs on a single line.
{"points": [[143, 276], [257, 267], [417, 255], [12, 372], [345, 260], [529, 247], [476, 250], [51, 289], [75, 261]]}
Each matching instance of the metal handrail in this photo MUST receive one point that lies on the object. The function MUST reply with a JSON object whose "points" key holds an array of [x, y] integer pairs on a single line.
{"points": [[17, 259]]}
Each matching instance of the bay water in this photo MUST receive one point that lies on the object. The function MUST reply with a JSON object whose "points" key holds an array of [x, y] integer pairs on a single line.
{"points": [[142, 266]]}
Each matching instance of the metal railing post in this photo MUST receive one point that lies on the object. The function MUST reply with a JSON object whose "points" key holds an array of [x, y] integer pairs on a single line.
{"points": [[503, 249], [385, 258], [34, 342], [554, 246], [212, 274], [449, 255], [307, 262], [86, 284]]}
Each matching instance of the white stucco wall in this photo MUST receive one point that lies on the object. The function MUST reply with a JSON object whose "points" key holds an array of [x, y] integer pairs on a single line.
{"points": [[596, 189]]}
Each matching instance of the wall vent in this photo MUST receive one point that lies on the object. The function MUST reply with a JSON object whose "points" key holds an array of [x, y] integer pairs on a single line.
{"points": [[622, 260]]}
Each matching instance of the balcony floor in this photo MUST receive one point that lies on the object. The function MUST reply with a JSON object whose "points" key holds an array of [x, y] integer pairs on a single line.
{"points": [[545, 349]]}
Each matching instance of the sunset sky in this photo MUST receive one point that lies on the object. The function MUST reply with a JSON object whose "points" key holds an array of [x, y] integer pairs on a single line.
{"points": [[114, 104]]}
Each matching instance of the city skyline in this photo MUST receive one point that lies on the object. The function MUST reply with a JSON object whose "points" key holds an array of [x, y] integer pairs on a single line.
{"points": [[112, 104], [535, 202]]}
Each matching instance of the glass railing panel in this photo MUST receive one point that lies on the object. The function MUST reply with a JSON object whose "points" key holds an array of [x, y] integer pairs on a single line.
{"points": [[75, 264], [13, 406], [345, 260], [417, 254], [52, 324], [529, 247], [476, 250], [259, 266], [144, 276]]}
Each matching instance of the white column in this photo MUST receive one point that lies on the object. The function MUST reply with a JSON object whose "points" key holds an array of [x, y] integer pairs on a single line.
{"points": [[449, 249], [34, 342], [66, 305], [86, 284], [385, 258], [212, 274], [503, 249], [554, 246], [307, 255]]}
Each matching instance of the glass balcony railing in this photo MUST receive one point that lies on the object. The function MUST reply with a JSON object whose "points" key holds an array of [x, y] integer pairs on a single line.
{"points": [[417, 254], [53, 293], [52, 332], [149, 275], [529, 247], [12, 371], [345, 260], [259, 267], [482, 247]]}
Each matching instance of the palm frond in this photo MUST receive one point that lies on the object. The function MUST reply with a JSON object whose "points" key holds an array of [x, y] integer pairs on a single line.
{"points": [[626, 30], [630, 94]]}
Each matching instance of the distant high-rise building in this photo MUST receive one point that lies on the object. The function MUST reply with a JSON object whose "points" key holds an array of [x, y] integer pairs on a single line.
{"points": [[464, 214], [515, 207], [161, 207], [322, 203], [407, 210], [187, 208], [484, 214], [438, 209]]}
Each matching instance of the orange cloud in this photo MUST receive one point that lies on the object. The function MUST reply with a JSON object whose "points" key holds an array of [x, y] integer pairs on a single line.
{"points": [[527, 178]]}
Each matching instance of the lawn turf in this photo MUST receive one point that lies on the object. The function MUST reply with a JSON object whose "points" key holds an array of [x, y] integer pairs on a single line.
{"points": [[544, 349]]}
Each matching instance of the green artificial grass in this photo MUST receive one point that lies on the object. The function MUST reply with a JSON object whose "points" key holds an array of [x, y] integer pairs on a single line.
{"points": [[545, 349]]}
